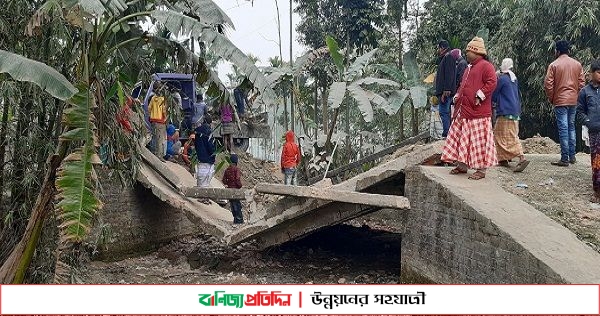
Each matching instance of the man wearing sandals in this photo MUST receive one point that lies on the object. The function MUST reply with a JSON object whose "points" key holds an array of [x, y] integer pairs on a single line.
{"points": [[508, 111], [470, 141]]}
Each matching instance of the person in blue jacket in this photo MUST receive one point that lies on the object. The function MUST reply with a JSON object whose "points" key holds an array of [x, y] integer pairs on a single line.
{"points": [[173, 142], [205, 151], [588, 110], [508, 113]]}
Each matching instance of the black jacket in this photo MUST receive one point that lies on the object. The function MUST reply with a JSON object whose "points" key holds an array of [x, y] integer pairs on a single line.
{"points": [[588, 107], [204, 143], [445, 77], [461, 65]]}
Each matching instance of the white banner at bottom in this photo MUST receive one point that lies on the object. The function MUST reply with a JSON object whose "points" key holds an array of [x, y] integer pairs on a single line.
{"points": [[299, 299]]}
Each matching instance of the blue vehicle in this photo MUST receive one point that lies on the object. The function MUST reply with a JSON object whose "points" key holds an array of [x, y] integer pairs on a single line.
{"points": [[185, 84]]}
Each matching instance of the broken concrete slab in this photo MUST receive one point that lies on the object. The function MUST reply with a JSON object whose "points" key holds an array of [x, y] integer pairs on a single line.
{"points": [[327, 194], [272, 228], [217, 193], [212, 218], [159, 166]]}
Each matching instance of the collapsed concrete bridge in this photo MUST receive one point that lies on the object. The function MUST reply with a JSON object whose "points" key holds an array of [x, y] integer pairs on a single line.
{"points": [[453, 230]]}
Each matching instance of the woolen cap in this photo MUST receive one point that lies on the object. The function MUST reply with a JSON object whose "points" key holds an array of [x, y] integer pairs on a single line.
{"points": [[477, 46]]}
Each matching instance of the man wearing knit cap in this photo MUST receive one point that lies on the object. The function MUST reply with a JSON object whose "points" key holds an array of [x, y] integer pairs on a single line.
{"points": [[470, 141], [445, 83], [564, 79]]}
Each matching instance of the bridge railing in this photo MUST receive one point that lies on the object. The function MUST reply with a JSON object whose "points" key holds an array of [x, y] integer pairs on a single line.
{"points": [[341, 173]]}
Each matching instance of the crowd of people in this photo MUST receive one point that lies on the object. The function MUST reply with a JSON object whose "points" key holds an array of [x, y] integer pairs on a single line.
{"points": [[200, 149], [480, 109]]}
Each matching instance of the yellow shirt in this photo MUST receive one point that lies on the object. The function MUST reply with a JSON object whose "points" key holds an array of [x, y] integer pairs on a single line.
{"points": [[157, 109]]}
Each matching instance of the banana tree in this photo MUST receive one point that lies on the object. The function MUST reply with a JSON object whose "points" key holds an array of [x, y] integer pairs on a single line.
{"points": [[106, 31], [51, 81], [412, 89], [350, 82]]}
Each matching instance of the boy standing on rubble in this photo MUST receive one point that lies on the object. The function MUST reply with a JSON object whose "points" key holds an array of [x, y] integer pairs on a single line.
{"points": [[290, 158], [232, 178]]}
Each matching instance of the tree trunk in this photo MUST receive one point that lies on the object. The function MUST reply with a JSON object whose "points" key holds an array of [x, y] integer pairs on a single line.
{"points": [[325, 111], [292, 110], [399, 10], [14, 268], [399, 26], [3, 133], [315, 116], [18, 192], [401, 121], [285, 113], [360, 145], [348, 102], [415, 120], [331, 128]]}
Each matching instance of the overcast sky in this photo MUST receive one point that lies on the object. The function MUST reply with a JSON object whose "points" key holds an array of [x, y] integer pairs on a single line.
{"points": [[256, 29]]}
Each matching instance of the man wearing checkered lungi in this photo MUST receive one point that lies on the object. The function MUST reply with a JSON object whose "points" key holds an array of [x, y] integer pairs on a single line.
{"points": [[470, 141]]}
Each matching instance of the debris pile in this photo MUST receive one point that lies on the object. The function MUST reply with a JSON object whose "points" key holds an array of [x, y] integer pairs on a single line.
{"points": [[253, 170], [540, 145]]}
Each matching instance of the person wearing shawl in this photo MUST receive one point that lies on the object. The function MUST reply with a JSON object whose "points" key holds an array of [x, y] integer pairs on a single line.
{"points": [[461, 65], [470, 141], [508, 112]]}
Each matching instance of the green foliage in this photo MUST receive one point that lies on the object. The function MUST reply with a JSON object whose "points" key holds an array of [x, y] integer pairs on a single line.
{"points": [[532, 48], [457, 21], [358, 21], [485, 34], [179, 23], [411, 68], [77, 201], [356, 69], [206, 11], [397, 98], [391, 71], [524, 30], [24, 69], [351, 82], [337, 92], [96, 7], [334, 51]]}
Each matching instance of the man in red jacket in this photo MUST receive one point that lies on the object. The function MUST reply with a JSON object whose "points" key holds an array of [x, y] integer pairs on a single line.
{"points": [[470, 141], [290, 158], [232, 178]]}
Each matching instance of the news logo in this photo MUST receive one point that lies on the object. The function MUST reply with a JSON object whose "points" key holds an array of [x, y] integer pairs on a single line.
{"points": [[261, 298]]}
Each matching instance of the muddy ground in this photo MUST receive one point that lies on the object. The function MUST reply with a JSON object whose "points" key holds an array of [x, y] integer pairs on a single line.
{"points": [[351, 254], [364, 250]]}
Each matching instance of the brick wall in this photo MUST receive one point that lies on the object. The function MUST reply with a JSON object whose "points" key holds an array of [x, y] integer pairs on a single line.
{"points": [[446, 240], [133, 220]]}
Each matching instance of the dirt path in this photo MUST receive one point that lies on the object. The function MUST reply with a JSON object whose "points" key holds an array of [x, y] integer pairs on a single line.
{"points": [[562, 193]]}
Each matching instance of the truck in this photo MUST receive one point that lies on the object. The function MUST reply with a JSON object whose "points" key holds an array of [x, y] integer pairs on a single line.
{"points": [[254, 126]]}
